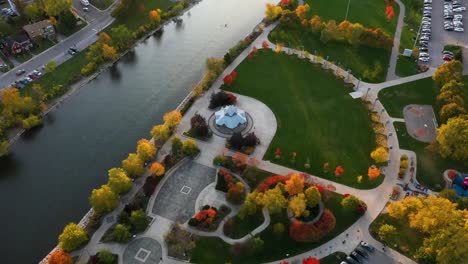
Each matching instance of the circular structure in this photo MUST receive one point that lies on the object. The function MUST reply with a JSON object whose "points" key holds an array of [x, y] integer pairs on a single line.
{"points": [[142, 250], [229, 120]]}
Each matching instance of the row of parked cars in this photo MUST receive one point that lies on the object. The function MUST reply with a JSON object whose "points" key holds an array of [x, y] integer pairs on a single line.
{"points": [[452, 15], [36, 74], [360, 254], [426, 30], [8, 12]]}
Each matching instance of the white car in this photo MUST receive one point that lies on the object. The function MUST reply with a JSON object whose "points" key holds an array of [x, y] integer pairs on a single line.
{"points": [[84, 2], [425, 59], [459, 29]]}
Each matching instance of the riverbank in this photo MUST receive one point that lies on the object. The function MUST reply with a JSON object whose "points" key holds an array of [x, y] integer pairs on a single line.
{"points": [[15, 133]]}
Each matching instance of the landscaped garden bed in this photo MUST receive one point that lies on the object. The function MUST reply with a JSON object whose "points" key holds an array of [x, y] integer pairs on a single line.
{"points": [[229, 184], [318, 122], [199, 128], [209, 218]]}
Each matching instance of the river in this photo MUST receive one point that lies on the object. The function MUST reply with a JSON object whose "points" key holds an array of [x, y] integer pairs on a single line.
{"points": [[46, 181]]}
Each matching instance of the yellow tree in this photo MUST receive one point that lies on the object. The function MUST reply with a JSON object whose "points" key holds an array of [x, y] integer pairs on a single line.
{"points": [[119, 182], [160, 132], [451, 109], [380, 154], [155, 16], [146, 150], [301, 11], [401, 209], [295, 184], [172, 118], [297, 205], [72, 237], [316, 24], [272, 11], [157, 169], [386, 231], [273, 200], [104, 38], [448, 71], [54, 7], [133, 165], [313, 196], [190, 147], [452, 139], [103, 200], [108, 52]]}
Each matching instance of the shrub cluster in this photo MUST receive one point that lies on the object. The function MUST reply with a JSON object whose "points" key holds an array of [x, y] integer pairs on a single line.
{"points": [[235, 163], [222, 98], [244, 144], [199, 127], [302, 232], [234, 189]]}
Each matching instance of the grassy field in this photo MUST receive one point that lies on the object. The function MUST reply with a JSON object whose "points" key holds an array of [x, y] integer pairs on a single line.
{"points": [[243, 227], [214, 250], [316, 117], [139, 16], [357, 59], [406, 66], [407, 240]]}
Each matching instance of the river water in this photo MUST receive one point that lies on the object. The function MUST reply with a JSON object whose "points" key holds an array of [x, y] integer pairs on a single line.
{"points": [[46, 181]]}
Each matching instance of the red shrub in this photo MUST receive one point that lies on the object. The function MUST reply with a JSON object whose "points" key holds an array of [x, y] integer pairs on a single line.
{"points": [[270, 182], [313, 232], [228, 79]]}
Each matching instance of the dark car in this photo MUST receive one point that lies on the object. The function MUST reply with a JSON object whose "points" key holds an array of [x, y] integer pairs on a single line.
{"points": [[361, 251], [74, 49], [350, 260], [367, 246], [357, 257]]}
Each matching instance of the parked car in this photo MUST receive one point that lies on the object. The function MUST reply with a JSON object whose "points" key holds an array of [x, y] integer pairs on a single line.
{"points": [[357, 257], [74, 49], [71, 52], [20, 72], [423, 59], [446, 52], [33, 76], [361, 251], [447, 59], [84, 2], [367, 246], [459, 29], [38, 73], [351, 260]]}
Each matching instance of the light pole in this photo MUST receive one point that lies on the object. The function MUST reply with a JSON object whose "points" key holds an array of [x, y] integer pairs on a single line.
{"points": [[347, 10], [375, 101], [368, 89]]}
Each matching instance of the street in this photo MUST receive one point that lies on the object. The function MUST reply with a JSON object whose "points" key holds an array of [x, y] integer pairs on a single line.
{"points": [[97, 20]]}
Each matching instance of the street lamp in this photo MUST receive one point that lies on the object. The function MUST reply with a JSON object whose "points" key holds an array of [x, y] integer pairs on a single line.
{"points": [[375, 101], [347, 10], [368, 89]]}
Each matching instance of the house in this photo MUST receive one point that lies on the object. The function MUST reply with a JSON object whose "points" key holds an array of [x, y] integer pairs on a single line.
{"points": [[15, 45], [40, 30]]}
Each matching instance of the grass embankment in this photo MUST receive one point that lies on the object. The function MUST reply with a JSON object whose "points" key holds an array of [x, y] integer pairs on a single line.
{"points": [[406, 66], [316, 116], [214, 250], [430, 165], [139, 16], [357, 59]]}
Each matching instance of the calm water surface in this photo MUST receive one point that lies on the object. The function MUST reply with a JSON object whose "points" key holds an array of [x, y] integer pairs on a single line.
{"points": [[47, 180]]}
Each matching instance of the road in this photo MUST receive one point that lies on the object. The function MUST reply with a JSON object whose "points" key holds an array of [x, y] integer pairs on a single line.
{"points": [[97, 20]]}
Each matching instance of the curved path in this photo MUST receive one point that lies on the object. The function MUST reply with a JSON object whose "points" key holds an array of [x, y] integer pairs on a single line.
{"points": [[391, 73], [376, 198]]}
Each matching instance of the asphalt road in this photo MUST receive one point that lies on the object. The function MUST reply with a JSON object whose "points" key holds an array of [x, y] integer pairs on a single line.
{"points": [[97, 21]]}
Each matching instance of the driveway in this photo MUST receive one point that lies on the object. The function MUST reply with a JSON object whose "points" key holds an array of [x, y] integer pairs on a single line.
{"points": [[176, 198]]}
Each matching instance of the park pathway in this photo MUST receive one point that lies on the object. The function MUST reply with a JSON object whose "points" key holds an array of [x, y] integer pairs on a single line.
{"points": [[376, 198], [391, 73]]}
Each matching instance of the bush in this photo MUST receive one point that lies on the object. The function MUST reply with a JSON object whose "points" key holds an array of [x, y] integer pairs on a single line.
{"points": [[31, 121], [313, 232], [106, 257], [244, 144], [221, 99], [139, 220], [190, 148], [72, 237], [199, 127], [404, 164], [121, 233], [278, 229], [236, 193]]}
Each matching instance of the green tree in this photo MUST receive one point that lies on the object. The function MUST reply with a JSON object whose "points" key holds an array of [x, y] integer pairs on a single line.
{"points": [[72, 237], [257, 243], [4, 27], [103, 200], [386, 231], [249, 207], [350, 203], [452, 139], [33, 11], [139, 220], [177, 146], [106, 257], [121, 37], [54, 7], [67, 22], [121, 233], [31, 121], [189, 147], [313, 196], [119, 182], [50, 66], [133, 165]]}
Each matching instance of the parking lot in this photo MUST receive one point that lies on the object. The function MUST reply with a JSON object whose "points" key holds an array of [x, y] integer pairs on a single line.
{"points": [[442, 22], [366, 253]]}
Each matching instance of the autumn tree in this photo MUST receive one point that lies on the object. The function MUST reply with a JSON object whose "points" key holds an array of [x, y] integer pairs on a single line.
{"points": [[272, 11], [155, 16], [108, 52], [190, 148], [50, 66], [33, 11], [55, 7], [350, 203], [157, 169], [72, 237], [316, 24], [60, 257], [452, 139], [386, 231], [139, 220], [160, 132], [121, 36], [297, 205], [273, 200], [103, 200], [172, 119], [249, 207], [452, 109], [301, 11], [133, 165], [295, 184], [313, 196], [119, 182], [451, 70], [146, 150], [380, 155]]}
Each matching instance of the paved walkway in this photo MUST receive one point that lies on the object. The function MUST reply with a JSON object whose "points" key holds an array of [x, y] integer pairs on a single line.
{"points": [[376, 198], [391, 73]]}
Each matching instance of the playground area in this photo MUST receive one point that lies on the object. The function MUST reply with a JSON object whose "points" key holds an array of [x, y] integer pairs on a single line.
{"points": [[420, 121]]}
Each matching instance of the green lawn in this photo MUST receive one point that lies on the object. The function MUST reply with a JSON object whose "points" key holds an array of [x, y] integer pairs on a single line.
{"points": [[214, 250], [254, 176], [316, 116], [138, 17], [430, 165], [406, 66], [23, 57], [334, 258], [413, 16], [407, 240], [242, 227], [41, 46], [101, 4]]}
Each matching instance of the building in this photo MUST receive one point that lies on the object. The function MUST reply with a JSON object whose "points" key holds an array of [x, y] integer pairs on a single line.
{"points": [[15, 45], [40, 30]]}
